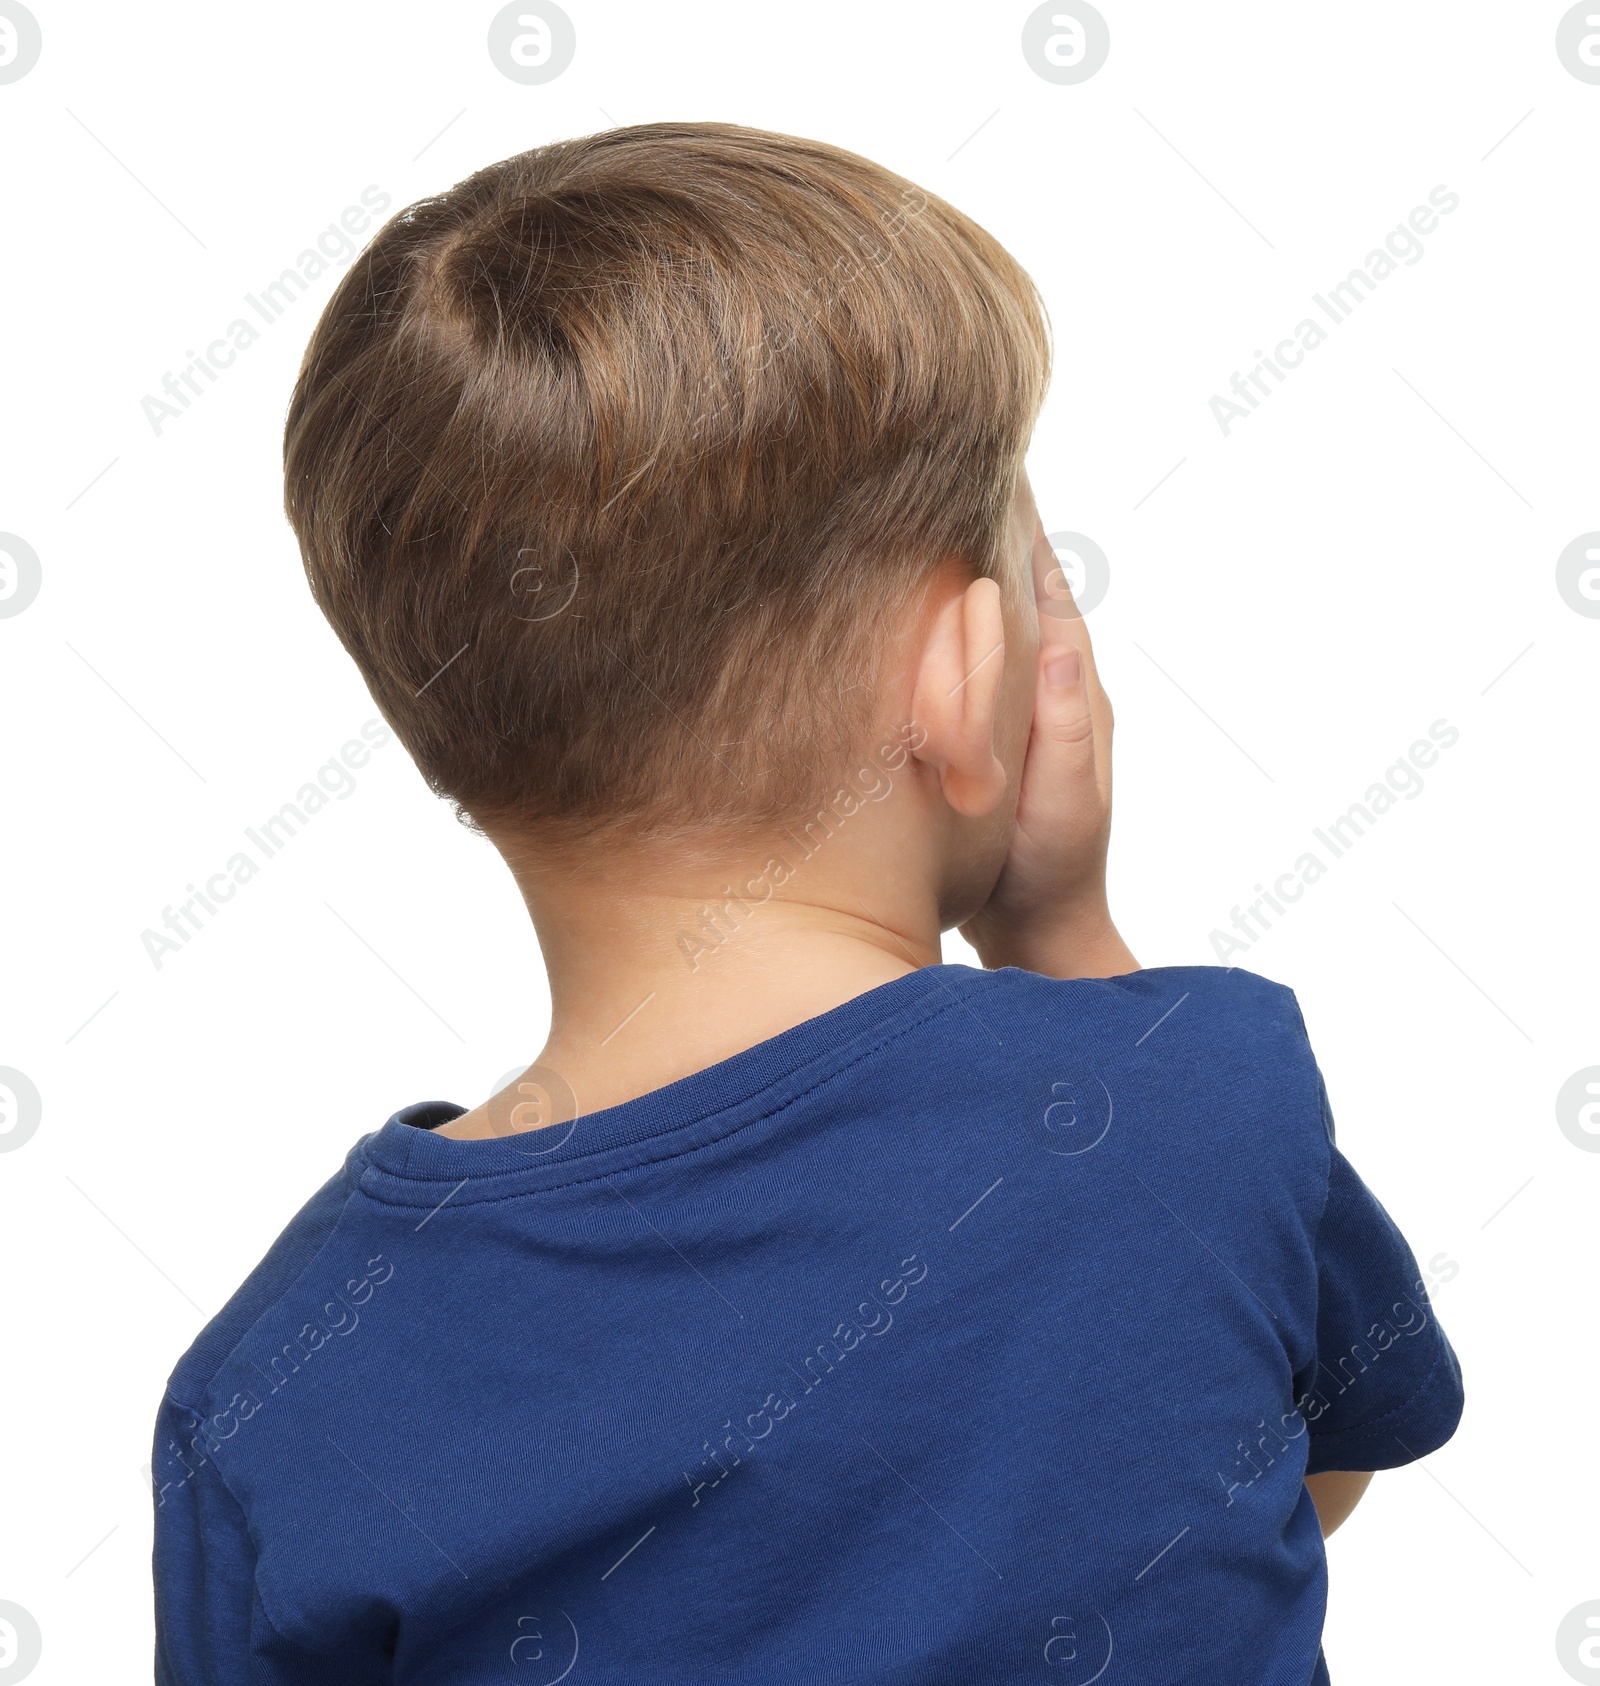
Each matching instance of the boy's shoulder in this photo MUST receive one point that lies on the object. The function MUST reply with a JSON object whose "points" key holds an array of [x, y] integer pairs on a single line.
{"points": [[284, 1262], [1220, 1047], [1227, 998], [1199, 1031]]}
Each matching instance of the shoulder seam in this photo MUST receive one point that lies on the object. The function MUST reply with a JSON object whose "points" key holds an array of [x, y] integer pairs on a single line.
{"points": [[352, 1188]]}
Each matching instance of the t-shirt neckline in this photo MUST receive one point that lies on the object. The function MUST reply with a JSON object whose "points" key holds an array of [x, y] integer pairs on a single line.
{"points": [[746, 1085]]}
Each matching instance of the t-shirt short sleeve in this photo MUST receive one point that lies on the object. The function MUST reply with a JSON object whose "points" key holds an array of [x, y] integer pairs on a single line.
{"points": [[1385, 1388]]}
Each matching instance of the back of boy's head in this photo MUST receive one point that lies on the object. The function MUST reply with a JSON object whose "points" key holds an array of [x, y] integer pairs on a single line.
{"points": [[615, 465]]}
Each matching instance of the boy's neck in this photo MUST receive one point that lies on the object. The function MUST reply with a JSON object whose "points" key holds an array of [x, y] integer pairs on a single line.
{"points": [[651, 983]]}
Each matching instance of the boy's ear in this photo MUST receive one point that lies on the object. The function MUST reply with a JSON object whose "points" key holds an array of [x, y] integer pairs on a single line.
{"points": [[956, 697]]}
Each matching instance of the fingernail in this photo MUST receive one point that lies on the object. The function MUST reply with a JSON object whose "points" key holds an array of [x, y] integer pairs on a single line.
{"points": [[1065, 670]]}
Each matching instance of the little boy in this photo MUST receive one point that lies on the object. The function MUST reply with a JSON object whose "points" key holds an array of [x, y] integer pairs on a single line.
{"points": [[811, 1310]]}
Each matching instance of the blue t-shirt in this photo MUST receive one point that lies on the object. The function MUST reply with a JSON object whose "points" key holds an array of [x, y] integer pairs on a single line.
{"points": [[981, 1329]]}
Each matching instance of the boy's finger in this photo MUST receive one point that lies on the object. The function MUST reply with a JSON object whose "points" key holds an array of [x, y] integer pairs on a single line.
{"points": [[1060, 795], [1060, 621], [1058, 613], [1062, 629], [1061, 777]]}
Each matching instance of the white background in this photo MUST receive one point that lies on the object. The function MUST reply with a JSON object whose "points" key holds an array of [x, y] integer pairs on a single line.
{"points": [[1288, 610]]}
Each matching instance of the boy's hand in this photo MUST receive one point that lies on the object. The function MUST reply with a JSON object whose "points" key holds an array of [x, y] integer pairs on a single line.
{"points": [[1048, 910]]}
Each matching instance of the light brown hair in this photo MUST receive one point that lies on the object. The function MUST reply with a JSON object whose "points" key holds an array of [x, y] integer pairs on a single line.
{"points": [[611, 465]]}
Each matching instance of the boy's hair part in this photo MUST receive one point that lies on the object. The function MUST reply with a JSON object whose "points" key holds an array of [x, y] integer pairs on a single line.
{"points": [[614, 466]]}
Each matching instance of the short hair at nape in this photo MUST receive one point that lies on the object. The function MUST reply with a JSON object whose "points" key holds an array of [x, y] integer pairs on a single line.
{"points": [[610, 465]]}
